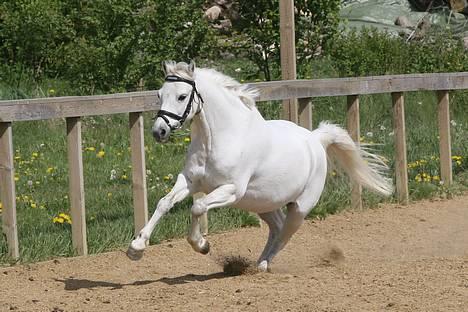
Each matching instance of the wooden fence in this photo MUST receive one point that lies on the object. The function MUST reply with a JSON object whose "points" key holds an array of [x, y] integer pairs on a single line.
{"points": [[73, 108]]}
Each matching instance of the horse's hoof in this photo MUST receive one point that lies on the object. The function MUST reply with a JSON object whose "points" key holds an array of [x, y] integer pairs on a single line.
{"points": [[205, 248], [263, 266], [133, 254]]}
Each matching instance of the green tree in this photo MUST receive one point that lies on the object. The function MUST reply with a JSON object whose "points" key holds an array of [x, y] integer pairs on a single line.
{"points": [[316, 23]]}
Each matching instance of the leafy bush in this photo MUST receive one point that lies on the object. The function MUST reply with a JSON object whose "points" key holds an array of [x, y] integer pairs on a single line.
{"points": [[101, 45], [371, 52]]}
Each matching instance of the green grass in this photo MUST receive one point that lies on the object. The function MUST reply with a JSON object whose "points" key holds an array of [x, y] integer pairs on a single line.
{"points": [[42, 170]]}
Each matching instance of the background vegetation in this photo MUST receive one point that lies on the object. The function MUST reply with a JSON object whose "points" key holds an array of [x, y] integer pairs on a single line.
{"points": [[55, 48]]}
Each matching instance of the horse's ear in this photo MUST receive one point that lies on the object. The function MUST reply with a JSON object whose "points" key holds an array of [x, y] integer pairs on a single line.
{"points": [[191, 68], [164, 67]]}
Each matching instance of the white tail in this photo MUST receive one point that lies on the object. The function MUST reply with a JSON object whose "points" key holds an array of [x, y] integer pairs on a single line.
{"points": [[362, 166]]}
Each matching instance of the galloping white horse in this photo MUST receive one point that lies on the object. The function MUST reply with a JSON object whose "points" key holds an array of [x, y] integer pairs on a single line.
{"points": [[238, 159]]}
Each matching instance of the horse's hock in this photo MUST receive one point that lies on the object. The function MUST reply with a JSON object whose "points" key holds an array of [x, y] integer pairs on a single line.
{"points": [[135, 103]]}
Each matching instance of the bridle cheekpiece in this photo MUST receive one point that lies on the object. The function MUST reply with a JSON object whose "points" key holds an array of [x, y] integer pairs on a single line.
{"points": [[181, 119]]}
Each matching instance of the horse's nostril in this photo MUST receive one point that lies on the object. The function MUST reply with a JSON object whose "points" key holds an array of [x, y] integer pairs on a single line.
{"points": [[163, 132]]}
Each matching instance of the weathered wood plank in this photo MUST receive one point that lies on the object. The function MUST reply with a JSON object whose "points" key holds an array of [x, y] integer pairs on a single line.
{"points": [[288, 55], [76, 185], [137, 144], [61, 107], [305, 113], [78, 106], [279, 90], [353, 126], [7, 189], [401, 165], [444, 137]]}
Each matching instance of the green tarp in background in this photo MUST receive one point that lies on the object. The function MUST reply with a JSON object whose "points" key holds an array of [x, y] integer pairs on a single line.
{"points": [[382, 14]]}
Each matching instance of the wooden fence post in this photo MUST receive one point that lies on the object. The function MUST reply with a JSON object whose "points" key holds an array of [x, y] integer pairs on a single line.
{"points": [[444, 137], [77, 200], [7, 189], [305, 113], [401, 165], [288, 54], [353, 125], [137, 144]]}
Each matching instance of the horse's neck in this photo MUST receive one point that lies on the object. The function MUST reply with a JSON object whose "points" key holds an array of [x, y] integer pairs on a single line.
{"points": [[220, 124]]}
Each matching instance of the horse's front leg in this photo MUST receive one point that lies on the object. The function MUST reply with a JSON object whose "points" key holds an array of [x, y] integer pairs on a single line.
{"points": [[222, 196], [180, 191]]}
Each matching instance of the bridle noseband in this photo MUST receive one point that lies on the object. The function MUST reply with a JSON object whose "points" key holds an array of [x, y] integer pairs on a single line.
{"points": [[181, 119]]}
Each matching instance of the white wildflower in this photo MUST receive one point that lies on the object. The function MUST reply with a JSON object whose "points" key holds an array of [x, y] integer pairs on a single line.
{"points": [[369, 134], [113, 174]]}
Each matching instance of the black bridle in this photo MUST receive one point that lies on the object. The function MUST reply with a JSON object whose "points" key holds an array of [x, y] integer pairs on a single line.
{"points": [[181, 119]]}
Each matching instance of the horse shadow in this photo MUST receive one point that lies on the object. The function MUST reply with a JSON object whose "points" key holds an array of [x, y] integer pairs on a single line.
{"points": [[73, 284]]}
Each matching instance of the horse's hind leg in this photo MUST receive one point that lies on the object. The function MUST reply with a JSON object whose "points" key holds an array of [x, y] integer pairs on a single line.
{"points": [[275, 220], [294, 219]]}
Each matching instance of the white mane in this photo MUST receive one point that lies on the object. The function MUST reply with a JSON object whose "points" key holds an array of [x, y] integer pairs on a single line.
{"points": [[245, 94]]}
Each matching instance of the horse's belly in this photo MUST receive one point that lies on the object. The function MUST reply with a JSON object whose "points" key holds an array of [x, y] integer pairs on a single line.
{"points": [[270, 194]]}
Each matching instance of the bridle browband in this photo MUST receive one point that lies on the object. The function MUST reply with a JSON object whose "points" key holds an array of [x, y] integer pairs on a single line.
{"points": [[181, 119]]}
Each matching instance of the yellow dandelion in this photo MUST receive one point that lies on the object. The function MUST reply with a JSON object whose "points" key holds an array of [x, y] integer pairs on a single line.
{"points": [[16, 178], [187, 139], [124, 177], [35, 154], [50, 170], [418, 178], [33, 205], [458, 162], [90, 149], [100, 154], [436, 178], [109, 194]]}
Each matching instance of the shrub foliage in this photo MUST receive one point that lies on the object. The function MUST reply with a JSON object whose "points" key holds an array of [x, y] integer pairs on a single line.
{"points": [[101, 44]]}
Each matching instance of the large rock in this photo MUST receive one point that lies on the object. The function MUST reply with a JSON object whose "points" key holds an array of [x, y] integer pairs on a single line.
{"points": [[213, 13]]}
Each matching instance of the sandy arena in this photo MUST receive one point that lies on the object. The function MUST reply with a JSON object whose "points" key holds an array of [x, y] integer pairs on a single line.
{"points": [[393, 258]]}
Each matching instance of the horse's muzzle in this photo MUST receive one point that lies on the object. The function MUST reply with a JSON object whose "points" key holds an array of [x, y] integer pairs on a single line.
{"points": [[161, 132]]}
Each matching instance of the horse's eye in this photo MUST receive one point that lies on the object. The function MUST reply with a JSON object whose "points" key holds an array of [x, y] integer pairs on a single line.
{"points": [[182, 97]]}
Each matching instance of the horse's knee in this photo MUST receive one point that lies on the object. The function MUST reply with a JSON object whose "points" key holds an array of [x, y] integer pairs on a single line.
{"points": [[198, 208]]}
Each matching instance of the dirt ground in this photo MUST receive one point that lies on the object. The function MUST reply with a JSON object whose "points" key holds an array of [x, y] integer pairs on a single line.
{"points": [[392, 258]]}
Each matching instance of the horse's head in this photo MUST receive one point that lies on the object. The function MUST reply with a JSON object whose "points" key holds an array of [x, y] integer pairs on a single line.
{"points": [[180, 100]]}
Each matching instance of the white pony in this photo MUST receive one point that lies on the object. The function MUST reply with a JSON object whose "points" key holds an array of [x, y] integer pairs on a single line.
{"points": [[236, 158]]}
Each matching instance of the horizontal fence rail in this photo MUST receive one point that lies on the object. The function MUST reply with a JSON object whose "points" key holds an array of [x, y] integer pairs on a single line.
{"points": [[79, 106], [135, 103]]}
